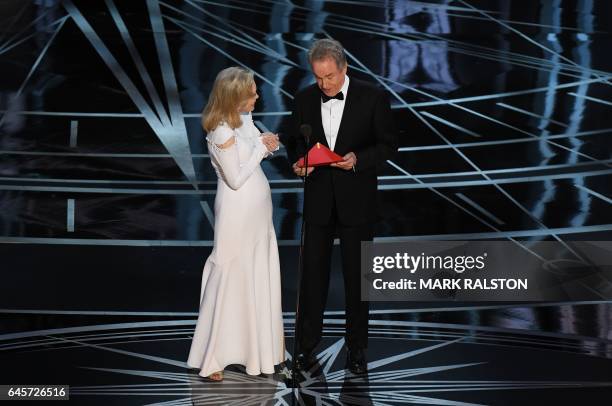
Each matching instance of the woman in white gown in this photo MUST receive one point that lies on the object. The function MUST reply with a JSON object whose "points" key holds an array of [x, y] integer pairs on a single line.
{"points": [[240, 319]]}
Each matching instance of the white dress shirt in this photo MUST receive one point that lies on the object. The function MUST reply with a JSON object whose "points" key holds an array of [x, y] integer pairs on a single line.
{"points": [[331, 115]]}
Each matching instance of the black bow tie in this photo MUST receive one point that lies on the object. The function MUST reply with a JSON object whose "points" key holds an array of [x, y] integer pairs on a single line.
{"points": [[326, 98]]}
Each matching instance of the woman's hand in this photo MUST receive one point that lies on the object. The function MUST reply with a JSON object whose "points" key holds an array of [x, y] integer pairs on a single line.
{"points": [[270, 140]]}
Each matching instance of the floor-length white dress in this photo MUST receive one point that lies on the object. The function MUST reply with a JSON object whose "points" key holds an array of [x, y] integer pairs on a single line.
{"points": [[240, 318]]}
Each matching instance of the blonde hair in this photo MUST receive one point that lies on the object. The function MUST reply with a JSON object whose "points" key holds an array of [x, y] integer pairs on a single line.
{"points": [[232, 87]]}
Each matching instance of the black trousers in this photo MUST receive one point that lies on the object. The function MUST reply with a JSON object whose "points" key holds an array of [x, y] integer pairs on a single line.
{"points": [[318, 246]]}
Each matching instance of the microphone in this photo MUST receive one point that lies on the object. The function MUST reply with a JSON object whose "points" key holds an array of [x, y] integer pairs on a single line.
{"points": [[306, 131]]}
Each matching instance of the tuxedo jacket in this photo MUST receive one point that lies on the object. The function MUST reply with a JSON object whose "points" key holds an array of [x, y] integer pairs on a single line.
{"points": [[368, 130]]}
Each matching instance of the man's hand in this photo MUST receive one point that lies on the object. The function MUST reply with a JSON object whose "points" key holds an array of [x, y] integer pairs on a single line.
{"points": [[301, 171], [347, 163]]}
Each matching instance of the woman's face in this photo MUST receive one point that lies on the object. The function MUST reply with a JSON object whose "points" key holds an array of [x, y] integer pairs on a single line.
{"points": [[249, 104]]}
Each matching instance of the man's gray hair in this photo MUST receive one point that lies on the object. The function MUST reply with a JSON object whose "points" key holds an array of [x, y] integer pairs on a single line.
{"points": [[327, 48]]}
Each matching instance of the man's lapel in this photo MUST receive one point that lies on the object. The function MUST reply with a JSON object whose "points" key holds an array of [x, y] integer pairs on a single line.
{"points": [[347, 114], [317, 129]]}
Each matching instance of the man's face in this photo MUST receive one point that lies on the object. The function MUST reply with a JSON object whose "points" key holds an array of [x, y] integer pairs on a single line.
{"points": [[329, 76]]}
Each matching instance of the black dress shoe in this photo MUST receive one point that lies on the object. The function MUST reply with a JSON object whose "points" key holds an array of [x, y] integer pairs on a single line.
{"points": [[304, 360], [356, 361]]}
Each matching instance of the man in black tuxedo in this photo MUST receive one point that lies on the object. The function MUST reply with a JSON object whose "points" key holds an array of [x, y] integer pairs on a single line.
{"points": [[352, 118]]}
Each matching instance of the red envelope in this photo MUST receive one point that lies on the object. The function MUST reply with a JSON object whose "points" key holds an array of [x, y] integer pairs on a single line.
{"points": [[320, 155]]}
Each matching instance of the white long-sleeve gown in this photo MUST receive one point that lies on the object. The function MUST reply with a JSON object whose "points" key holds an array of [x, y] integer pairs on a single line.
{"points": [[240, 319]]}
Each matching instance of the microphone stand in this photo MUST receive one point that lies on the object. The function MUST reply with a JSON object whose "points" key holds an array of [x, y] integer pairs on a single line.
{"points": [[294, 372]]}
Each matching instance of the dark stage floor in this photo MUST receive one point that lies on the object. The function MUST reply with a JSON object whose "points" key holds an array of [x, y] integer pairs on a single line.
{"points": [[106, 190]]}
